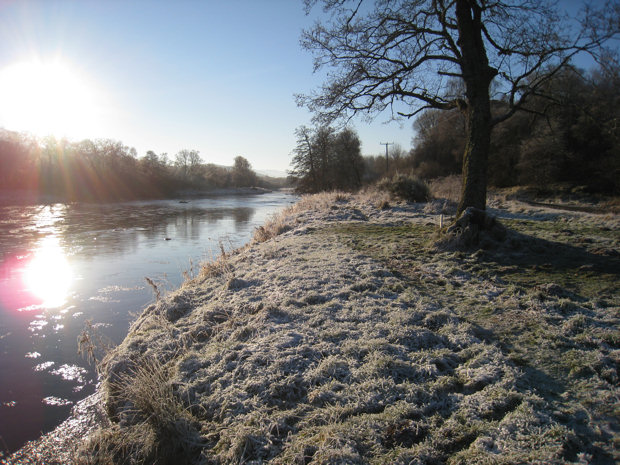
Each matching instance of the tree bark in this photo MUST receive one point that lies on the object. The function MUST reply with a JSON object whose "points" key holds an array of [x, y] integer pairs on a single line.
{"points": [[475, 157], [477, 75]]}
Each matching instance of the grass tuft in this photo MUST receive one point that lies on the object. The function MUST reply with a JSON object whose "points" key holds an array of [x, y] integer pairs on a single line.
{"points": [[153, 424], [93, 345], [221, 266]]}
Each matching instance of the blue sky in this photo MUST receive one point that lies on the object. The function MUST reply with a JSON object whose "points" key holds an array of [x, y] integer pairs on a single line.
{"points": [[214, 76]]}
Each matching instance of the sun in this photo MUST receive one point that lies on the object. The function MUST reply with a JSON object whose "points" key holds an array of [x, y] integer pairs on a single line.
{"points": [[47, 98]]}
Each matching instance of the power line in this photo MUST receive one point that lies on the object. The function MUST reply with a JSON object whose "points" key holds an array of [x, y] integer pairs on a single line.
{"points": [[386, 153]]}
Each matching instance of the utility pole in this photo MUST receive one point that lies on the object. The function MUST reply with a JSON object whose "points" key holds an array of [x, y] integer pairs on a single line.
{"points": [[386, 153]]}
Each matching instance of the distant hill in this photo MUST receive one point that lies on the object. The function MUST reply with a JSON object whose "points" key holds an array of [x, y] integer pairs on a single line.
{"points": [[272, 173]]}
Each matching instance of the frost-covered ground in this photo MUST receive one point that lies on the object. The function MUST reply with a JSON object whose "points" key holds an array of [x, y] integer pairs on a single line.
{"points": [[345, 337]]}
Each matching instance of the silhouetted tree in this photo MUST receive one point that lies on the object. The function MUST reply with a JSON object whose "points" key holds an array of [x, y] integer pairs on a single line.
{"points": [[403, 55], [18, 169], [348, 164], [325, 160], [322, 147], [305, 165], [439, 143]]}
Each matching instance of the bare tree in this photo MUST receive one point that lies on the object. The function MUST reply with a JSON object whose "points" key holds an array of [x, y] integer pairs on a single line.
{"points": [[405, 55], [305, 165], [188, 162], [313, 159]]}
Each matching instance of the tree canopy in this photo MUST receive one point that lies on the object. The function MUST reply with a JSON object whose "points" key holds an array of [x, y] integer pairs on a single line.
{"points": [[404, 56]]}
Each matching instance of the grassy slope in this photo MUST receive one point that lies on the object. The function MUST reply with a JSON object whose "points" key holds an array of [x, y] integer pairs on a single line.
{"points": [[350, 339]]}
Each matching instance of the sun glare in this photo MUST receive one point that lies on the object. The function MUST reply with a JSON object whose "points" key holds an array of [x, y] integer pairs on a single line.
{"points": [[47, 98], [48, 276]]}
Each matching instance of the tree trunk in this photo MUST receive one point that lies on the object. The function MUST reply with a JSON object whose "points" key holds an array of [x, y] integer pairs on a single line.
{"points": [[475, 157], [477, 75]]}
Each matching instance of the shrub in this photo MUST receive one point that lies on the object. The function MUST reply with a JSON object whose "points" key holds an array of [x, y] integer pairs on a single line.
{"points": [[406, 187]]}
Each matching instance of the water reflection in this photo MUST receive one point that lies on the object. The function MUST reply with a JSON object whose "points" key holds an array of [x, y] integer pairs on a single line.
{"points": [[61, 266], [48, 217], [48, 275], [116, 229]]}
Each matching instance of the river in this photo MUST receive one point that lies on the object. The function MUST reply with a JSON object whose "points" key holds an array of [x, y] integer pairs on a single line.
{"points": [[66, 267]]}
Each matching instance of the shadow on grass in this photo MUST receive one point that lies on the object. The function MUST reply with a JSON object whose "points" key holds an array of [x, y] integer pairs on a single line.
{"points": [[558, 392], [539, 279], [528, 260]]}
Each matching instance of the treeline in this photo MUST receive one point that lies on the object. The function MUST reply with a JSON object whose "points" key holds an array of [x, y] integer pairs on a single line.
{"points": [[325, 159], [570, 133], [107, 170]]}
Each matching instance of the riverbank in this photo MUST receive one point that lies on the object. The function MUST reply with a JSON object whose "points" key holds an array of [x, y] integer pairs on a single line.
{"points": [[341, 335]]}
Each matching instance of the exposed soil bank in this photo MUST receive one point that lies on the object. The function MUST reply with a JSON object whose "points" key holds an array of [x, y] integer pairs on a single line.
{"points": [[347, 338]]}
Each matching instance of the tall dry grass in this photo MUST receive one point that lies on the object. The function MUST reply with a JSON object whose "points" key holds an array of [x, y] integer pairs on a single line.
{"points": [[448, 188], [153, 424], [285, 220]]}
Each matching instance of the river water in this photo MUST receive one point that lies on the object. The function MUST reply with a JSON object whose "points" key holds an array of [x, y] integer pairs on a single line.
{"points": [[64, 267]]}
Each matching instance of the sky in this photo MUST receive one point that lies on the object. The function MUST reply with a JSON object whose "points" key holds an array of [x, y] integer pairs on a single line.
{"points": [[208, 75], [214, 76]]}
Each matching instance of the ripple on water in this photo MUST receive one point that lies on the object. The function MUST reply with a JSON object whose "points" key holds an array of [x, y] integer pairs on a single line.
{"points": [[30, 308], [104, 299], [37, 325], [115, 288], [43, 366], [66, 309], [71, 373], [56, 401], [32, 355]]}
